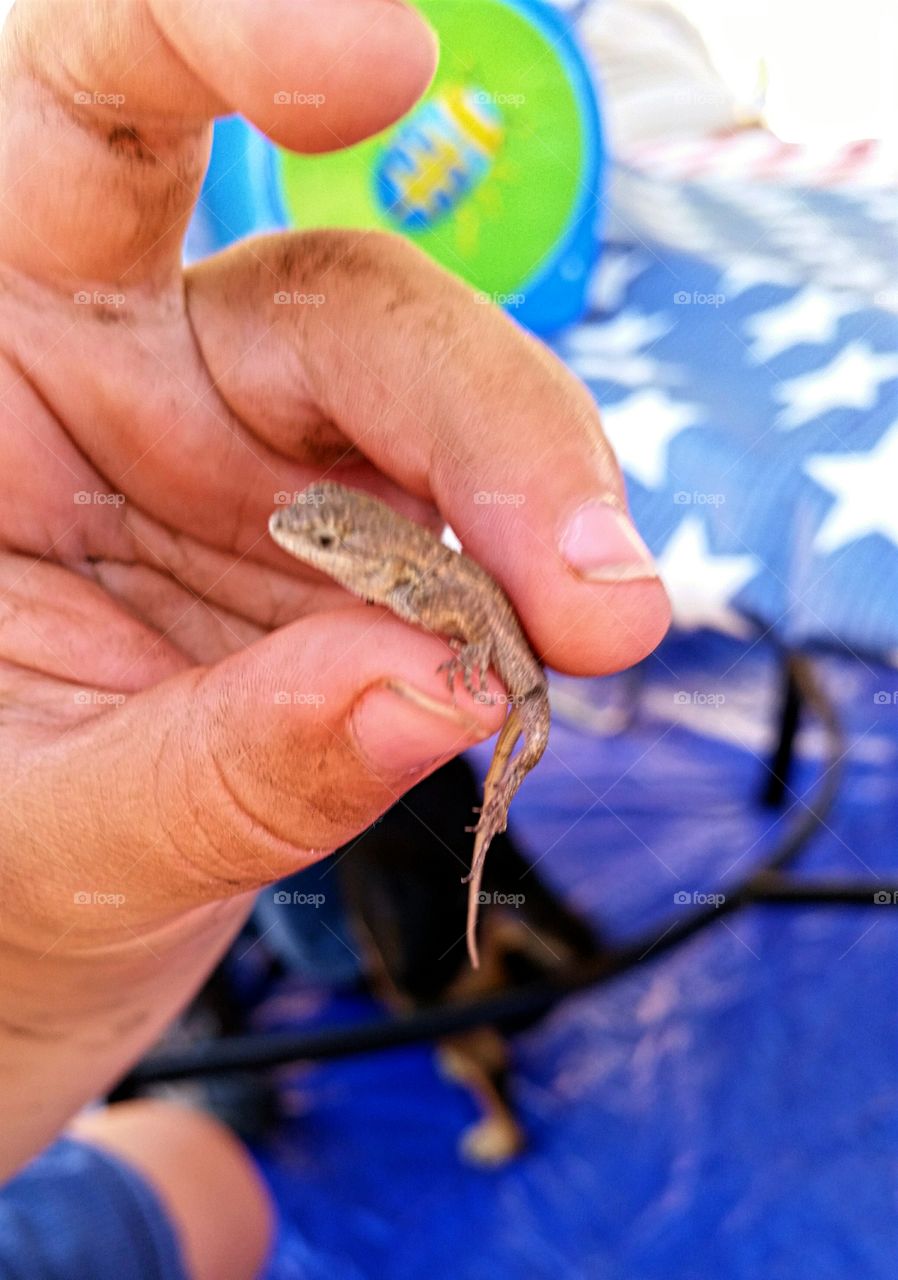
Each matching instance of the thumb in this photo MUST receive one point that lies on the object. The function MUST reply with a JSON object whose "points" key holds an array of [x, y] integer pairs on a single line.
{"points": [[220, 780], [107, 108]]}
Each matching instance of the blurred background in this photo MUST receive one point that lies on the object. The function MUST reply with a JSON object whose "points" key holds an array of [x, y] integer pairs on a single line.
{"points": [[822, 72]]}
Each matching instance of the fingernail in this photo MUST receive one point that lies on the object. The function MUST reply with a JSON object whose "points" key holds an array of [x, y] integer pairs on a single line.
{"points": [[601, 544], [399, 729]]}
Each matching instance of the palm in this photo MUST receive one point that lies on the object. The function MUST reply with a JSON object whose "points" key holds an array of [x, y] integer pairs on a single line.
{"points": [[150, 494]]}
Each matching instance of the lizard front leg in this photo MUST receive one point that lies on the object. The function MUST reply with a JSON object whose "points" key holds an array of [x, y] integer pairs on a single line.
{"points": [[418, 599]]}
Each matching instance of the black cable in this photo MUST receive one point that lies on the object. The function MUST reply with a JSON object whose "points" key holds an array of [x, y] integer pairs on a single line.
{"points": [[784, 753], [774, 888], [262, 1050]]}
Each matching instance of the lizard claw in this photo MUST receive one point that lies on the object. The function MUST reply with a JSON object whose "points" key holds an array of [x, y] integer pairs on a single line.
{"points": [[473, 662], [456, 665], [450, 666]]}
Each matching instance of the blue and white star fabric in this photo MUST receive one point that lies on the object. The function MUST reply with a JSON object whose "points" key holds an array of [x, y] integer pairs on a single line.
{"points": [[754, 411]]}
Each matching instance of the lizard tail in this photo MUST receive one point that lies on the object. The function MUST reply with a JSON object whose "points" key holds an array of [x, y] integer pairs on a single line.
{"points": [[474, 880], [492, 820]]}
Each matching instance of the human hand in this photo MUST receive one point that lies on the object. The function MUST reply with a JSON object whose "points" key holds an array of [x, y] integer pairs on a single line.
{"points": [[187, 714]]}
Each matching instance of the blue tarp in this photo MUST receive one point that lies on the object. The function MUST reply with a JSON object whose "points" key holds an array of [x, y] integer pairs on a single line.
{"points": [[728, 1111]]}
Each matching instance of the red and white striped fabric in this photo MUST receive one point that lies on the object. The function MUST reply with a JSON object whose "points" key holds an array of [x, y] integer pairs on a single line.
{"points": [[759, 155]]}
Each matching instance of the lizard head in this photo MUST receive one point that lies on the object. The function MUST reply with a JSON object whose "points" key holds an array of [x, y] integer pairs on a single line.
{"points": [[345, 533]]}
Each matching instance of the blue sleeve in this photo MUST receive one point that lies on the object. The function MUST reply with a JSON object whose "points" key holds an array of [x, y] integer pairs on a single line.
{"points": [[76, 1212]]}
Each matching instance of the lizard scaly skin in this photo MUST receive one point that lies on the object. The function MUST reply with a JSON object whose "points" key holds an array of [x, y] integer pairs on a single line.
{"points": [[385, 559]]}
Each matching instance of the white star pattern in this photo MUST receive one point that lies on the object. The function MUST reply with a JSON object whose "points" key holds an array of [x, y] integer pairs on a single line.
{"points": [[702, 584], [864, 486], [851, 380], [640, 429], [811, 316], [607, 350], [626, 371], [626, 332], [615, 273], [748, 271]]}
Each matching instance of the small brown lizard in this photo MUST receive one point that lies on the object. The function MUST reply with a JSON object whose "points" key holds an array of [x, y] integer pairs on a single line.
{"points": [[385, 559]]}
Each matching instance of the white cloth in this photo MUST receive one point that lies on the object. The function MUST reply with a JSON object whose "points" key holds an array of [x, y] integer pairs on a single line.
{"points": [[655, 75]]}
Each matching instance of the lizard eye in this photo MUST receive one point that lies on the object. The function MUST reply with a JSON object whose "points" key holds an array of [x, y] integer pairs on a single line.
{"points": [[326, 539]]}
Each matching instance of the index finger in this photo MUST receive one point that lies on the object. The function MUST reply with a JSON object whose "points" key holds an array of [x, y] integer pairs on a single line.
{"points": [[107, 107], [453, 402]]}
